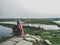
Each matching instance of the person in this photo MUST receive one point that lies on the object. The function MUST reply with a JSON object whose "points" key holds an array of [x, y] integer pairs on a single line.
{"points": [[18, 30]]}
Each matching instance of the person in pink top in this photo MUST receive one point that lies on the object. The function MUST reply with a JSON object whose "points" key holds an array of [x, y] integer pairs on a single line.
{"points": [[18, 30]]}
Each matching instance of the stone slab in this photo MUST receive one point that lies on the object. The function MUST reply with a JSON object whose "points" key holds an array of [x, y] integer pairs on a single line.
{"points": [[16, 39], [8, 43], [23, 42]]}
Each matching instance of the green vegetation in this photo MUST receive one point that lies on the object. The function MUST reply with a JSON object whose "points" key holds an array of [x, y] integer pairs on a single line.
{"points": [[2, 20], [7, 25], [39, 22], [4, 39], [52, 35]]}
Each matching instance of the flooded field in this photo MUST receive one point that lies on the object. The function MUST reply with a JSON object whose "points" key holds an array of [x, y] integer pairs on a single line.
{"points": [[58, 22], [44, 26], [10, 22]]}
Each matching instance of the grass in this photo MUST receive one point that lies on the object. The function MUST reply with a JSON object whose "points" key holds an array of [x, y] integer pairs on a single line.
{"points": [[54, 39], [7, 25], [4, 39], [3, 20], [39, 22]]}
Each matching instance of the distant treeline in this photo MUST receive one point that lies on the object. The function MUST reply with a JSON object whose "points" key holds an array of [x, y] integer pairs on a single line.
{"points": [[29, 18]]}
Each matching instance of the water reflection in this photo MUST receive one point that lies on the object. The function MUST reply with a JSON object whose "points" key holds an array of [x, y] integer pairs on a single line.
{"points": [[5, 31]]}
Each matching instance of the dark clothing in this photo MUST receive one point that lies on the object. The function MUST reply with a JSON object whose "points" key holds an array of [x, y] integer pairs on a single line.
{"points": [[15, 31], [18, 30]]}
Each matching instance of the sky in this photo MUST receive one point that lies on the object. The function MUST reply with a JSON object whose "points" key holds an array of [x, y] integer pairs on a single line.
{"points": [[29, 8]]}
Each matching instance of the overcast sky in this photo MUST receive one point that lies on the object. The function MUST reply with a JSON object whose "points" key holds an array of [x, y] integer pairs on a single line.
{"points": [[29, 8]]}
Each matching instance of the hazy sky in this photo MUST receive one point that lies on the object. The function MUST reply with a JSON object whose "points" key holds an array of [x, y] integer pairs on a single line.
{"points": [[29, 8]]}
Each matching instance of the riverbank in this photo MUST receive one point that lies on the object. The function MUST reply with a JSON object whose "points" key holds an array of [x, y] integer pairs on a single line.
{"points": [[5, 33]]}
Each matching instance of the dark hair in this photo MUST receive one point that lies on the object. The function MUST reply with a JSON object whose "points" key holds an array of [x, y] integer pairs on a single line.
{"points": [[18, 22]]}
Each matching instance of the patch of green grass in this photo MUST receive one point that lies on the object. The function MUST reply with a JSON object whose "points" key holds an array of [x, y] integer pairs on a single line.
{"points": [[3, 20], [33, 31], [7, 25], [53, 40], [39, 22], [4, 39]]}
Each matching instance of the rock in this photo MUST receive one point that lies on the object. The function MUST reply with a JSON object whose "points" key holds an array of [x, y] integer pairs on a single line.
{"points": [[30, 39], [16, 39], [23, 42], [48, 42], [27, 40], [8, 43], [33, 38]]}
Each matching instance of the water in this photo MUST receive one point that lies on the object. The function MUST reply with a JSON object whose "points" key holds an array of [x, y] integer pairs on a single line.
{"points": [[10, 22], [44, 26], [5, 31], [58, 22]]}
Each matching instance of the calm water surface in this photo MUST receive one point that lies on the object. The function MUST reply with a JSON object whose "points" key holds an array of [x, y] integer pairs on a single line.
{"points": [[5, 31]]}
